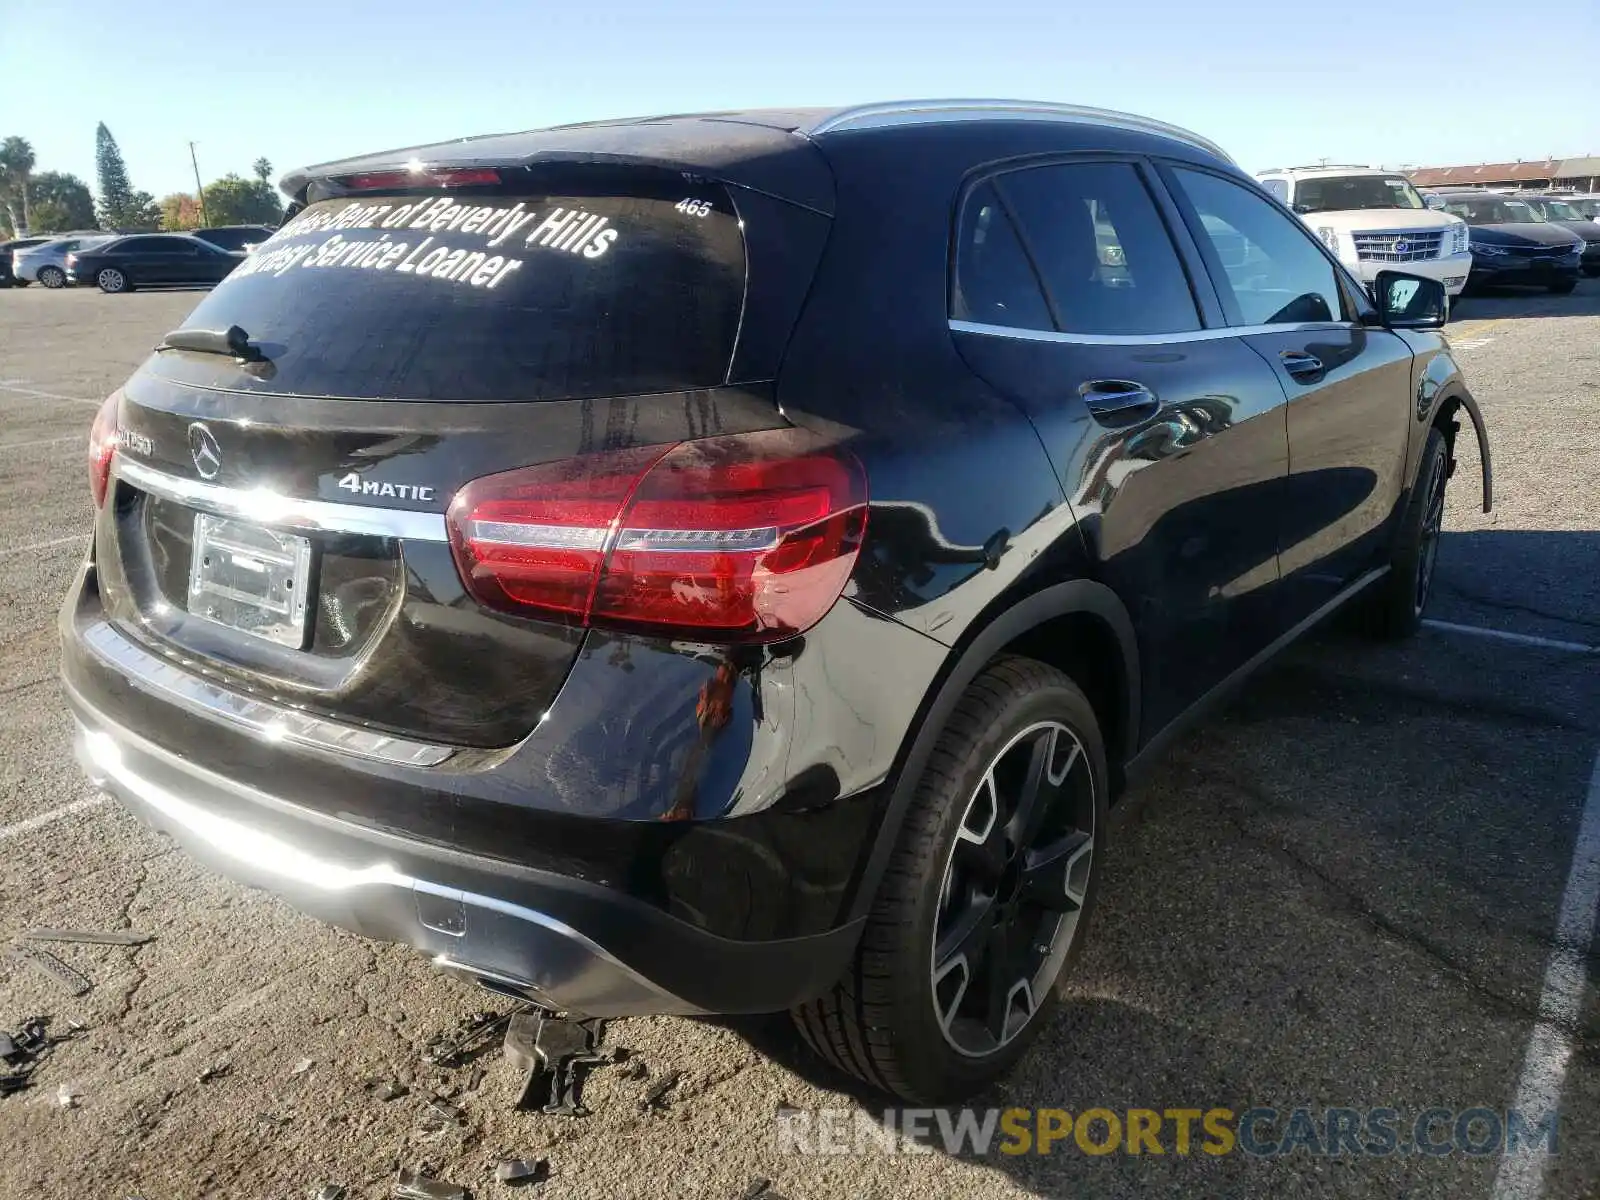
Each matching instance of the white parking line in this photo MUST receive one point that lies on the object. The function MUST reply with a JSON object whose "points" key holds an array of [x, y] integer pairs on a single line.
{"points": [[9, 386], [63, 541], [1544, 1068], [40, 820], [1526, 639], [71, 437]]}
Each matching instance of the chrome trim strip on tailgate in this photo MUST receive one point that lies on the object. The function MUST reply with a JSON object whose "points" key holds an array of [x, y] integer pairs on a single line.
{"points": [[266, 507], [269, 722]]}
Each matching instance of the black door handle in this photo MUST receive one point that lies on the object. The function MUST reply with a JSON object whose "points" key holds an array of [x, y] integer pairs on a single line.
{"points": [[1118, 399], [1302, 365]]}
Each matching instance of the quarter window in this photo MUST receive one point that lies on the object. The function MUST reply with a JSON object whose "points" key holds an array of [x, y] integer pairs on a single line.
{"points": [[1273, 272], [1278, 188], [995, 285], [1075, 247]]}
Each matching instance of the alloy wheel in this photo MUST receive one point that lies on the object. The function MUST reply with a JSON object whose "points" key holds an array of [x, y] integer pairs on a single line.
{"points": [[110, 280], [52, 277], [1014, 888], [1432, 525]]}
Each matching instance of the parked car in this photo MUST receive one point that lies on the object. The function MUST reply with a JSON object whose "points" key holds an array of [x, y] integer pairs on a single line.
{"points": [[242, 238], [1569, 216], [7, 249], [151, 260], [796, 667], [1513, 244], [46, 263], [1375, 221]]}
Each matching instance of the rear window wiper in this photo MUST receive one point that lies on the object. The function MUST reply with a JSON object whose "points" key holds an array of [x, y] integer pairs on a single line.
{"points": [[232, 341]]}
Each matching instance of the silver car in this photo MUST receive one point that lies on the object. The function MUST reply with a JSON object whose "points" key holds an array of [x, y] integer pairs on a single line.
{"points": [[47, 264]]}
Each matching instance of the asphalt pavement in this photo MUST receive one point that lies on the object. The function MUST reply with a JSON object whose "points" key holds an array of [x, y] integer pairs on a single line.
{"points": [[1342, 891]]}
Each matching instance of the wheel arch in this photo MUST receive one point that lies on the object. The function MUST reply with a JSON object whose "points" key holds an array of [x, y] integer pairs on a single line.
{"points": [[1080, 627], [1451, 404]]}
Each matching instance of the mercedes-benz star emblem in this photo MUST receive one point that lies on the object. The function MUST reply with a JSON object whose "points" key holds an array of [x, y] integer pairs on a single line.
{"points": [[204, 450]]}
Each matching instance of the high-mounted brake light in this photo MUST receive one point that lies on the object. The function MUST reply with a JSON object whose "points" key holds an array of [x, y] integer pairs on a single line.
{"points": [[441, 177], [102, 445], [746, 538]]}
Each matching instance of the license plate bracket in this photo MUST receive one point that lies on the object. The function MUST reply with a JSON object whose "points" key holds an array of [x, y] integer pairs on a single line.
{"points": [[250, 578]]}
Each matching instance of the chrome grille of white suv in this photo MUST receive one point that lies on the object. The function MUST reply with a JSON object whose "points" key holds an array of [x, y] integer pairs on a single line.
{"points": [[1397, 247]]}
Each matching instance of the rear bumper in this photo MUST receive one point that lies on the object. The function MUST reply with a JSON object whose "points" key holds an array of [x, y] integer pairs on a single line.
{"points": [[559, 941]]}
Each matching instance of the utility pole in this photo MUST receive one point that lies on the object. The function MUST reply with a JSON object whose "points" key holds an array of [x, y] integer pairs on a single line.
{"points": [[199, 192]]}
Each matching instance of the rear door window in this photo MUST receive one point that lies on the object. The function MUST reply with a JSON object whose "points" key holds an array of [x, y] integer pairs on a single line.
{"points": [[1074, 247], [490, 294]]}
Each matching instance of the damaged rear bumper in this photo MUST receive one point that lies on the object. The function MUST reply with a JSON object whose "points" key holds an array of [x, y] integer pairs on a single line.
{"points": [[560, 941]]}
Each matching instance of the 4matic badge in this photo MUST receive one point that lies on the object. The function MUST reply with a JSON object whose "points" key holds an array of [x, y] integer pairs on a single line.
{"points": [[393, 491]]}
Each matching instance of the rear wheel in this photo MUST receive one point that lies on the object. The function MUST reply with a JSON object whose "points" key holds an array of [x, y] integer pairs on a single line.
{"points": [[52, 277], [985, 899], [1393, 607], [112, 280]]}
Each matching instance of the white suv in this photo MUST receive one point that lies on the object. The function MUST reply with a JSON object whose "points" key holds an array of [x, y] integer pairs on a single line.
{"points": [[1375, 221]]}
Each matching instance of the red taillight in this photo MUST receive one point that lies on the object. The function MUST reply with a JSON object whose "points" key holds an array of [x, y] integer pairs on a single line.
{"points": [[747, 538], [443, 177], [102, 445]]}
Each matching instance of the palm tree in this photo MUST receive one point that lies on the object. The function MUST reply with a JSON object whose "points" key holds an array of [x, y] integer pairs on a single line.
{"points": [[16, 167], [262, 167]]}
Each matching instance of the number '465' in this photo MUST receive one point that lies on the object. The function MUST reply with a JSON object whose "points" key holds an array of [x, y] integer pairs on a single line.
{"points": [[694, 208]]}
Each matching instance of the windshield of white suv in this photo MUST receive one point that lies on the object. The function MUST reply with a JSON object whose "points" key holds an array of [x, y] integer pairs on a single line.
{"points": [[1343, 192], [1491, 210]]}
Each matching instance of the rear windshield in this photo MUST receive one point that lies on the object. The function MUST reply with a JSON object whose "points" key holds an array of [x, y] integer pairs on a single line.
{"points": [[488, 294]]}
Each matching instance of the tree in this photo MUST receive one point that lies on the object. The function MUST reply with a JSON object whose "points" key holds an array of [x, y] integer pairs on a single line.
{"points": [[121, 207], [60, 202], [263, 169], [235, 201], [16, 171], [180, 211]]}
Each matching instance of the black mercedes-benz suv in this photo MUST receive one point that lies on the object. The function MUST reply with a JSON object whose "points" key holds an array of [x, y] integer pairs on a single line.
{"points": [[730, 563]]}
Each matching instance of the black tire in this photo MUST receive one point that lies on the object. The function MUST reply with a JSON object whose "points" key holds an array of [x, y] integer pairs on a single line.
{"points": [[1563, 287], [113, 280], [1392, 608], [52, 277], [881, 1022]]}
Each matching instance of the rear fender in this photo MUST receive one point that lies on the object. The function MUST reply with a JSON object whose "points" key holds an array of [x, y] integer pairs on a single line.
{"points": [[1063, 599]]}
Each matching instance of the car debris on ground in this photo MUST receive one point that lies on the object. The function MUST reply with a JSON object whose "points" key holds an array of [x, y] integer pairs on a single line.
{"points": [[556, 1053], [329, 1191], [24, 1048], [420, 1185], [473, 1033], [76, 983], [518, 1171], [90, 937], [440, 1114], [655, 1095], [387, 1089]]}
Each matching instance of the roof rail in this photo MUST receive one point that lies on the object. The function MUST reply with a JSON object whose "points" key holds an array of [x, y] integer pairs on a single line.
{"points": [[915, 112]]}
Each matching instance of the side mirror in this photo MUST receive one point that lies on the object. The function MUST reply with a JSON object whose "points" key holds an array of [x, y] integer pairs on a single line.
{"points": [[1410, 301], [1434, 202]]}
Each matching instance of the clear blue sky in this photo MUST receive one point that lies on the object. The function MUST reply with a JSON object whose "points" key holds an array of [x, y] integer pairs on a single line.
{"points": [[302, 82]]}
